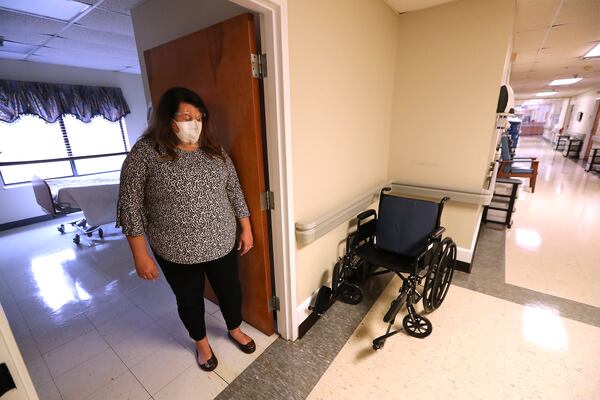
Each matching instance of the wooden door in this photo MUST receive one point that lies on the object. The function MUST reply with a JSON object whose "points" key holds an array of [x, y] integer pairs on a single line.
{"points": [[215, 63]]}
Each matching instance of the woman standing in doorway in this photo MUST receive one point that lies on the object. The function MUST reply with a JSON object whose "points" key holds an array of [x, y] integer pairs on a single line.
{"points": [[180, 189]]}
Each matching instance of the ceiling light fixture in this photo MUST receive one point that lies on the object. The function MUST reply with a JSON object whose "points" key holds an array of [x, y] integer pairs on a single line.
{"points": [[566, 81], [594, 52], [64, 10], [540, 94]]}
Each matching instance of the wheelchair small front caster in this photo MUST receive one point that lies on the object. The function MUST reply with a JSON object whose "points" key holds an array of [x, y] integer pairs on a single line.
{"points": [[61, 228], [418, 327], [77, 239], [377, 344]]}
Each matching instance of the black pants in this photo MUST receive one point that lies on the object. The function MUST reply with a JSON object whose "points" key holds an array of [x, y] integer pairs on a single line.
{"points": [[187, 282]]}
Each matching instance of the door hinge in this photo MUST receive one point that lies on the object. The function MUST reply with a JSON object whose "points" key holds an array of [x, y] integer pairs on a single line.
{"points": [[267, 200], [274, 303], [259, 65]]}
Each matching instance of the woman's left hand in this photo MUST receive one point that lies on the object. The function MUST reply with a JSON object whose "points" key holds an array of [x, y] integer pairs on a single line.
{"points": [[245, 241]]}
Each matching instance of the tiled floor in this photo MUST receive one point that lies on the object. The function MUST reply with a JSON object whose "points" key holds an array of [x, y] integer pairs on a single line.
{"points": [[553, 245], [89, 328], [481, 347]]}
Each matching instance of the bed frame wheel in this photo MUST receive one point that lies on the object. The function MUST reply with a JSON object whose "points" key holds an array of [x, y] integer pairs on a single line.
{"points": [[100, 233], [61, 228], [77, 239]]}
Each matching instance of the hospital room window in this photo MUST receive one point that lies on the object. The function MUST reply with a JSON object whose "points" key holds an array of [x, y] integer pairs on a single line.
{"points": [[31, 138]]}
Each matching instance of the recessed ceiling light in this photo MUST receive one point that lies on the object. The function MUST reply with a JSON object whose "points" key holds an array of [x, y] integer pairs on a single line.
{"points": [[540, 94], [58, 9], [594, 52], [567, 81]]}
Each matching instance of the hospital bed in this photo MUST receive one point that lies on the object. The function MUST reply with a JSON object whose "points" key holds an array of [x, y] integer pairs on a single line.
{"points": [[95, 195]]}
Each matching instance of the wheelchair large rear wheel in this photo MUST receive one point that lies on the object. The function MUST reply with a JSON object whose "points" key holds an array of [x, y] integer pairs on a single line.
{"points": [[429, 288], [419, 326], [445, 271], [337, 279], [341, 289]]}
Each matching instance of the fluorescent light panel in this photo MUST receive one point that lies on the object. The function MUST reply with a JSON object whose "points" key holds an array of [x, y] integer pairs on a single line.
{"points": [[57, 9], [567, 81], [540, 94], [594, 52]]}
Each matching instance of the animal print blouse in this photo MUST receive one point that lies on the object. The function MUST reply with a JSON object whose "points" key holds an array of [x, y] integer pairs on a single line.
{"points": [[187, 207]]}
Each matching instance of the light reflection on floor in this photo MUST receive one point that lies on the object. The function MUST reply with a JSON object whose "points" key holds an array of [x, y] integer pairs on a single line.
{"points": [[543, 327], [56, 286]]}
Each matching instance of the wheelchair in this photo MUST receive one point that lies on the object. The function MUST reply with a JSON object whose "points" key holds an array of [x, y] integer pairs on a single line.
{"points": [[406, 239]]}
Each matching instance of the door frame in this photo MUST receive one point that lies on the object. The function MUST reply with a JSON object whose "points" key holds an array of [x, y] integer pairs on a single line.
{"points": [[274, 43]]}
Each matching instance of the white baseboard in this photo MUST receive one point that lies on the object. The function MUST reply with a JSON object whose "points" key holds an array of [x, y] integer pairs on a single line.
{"points": [[302, 311], [466, 255]]}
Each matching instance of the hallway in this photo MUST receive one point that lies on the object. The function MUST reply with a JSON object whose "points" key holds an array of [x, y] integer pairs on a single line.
{"points": [[553, 245]]}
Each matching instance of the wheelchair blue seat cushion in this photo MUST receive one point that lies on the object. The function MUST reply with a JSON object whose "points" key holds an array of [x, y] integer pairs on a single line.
{"points": [[404, 224], [386, 259]]}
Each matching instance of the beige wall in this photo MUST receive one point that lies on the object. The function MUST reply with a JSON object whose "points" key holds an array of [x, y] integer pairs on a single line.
{"points": [[452, 60], [342, 58]]}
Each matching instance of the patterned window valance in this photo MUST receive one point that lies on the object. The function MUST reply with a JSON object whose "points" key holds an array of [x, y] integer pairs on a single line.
{"points": [[49, 101]]}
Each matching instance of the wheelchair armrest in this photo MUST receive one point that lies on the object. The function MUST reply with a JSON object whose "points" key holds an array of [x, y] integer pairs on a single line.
{"points": [[436, 233], [364, 215]]}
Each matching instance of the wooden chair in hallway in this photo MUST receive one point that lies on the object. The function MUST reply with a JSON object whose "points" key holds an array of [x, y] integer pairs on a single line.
{"points": [[508, 169]]}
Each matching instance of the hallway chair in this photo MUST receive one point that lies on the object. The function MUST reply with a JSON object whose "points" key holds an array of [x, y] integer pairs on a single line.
{"points": [[508, 169]]}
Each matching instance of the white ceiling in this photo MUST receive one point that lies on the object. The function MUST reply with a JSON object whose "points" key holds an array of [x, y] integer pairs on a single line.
{"points": [[100, 37], [551, 37]]}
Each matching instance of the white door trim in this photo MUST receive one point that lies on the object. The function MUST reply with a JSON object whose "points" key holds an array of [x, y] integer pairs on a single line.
{"points": [[274, 41]]}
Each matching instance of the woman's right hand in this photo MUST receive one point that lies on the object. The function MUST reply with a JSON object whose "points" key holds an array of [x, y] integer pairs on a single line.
{"points": [[146, 267]]}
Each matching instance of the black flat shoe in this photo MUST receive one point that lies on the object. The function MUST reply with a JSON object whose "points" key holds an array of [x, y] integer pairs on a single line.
{"points": [[210, 364], [247, 348]]}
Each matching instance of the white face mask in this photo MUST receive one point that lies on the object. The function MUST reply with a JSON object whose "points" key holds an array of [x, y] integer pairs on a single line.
{"points": [[189, 131]]}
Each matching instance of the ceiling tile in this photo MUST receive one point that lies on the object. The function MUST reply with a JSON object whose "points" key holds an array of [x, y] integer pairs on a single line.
{"points": [[585, 31], [535, 14], [563, 52], [23, 36], [15, 47], [525, 57], [12, 56], [101, 64], [108, 22], [69, 55], [578, 10], [529, 40], [21, 22], [100, 37], [91, 48], [122, 6]]}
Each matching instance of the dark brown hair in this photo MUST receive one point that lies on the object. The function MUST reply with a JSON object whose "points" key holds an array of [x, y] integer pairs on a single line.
{"points": [[161, 132]]}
